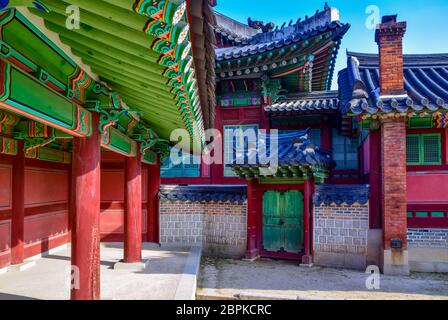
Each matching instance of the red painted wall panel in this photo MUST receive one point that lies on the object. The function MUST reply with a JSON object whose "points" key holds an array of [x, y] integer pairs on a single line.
{"points": [[46, 190], [5, 187], [112, 185], [5, 235], [44, 226], [45, 244], [46, 193], [5, 243], [112, 221], [45, 186], [429, 187], [112, 202]]}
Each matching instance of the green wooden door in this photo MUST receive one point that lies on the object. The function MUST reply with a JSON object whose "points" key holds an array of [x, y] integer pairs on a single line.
{"points": [[283, 221]]}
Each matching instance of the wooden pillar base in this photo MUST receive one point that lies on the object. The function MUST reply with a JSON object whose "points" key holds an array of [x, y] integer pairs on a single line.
{"points": [[307, 260], [132, 266], [25, 265], [252, 255]]}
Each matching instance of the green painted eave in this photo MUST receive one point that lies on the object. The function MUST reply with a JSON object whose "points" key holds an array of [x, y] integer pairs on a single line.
{"points": [[112, 42]]}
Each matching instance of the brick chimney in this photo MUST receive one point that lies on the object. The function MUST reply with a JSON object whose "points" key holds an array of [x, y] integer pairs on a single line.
{"points": [[389, 37]]}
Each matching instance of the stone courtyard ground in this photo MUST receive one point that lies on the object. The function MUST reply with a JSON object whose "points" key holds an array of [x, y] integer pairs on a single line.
{"points": [[271, 279], [170, 275]]}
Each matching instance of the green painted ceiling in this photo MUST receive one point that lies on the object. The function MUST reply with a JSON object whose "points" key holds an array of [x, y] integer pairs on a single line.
{"points": [[113, 42]]}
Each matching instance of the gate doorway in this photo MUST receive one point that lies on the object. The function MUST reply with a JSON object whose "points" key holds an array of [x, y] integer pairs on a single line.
{"points": [[282, 230]]}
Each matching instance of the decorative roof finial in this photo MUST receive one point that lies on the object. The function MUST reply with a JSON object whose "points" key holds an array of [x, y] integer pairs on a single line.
{"points": [[260, 25]]}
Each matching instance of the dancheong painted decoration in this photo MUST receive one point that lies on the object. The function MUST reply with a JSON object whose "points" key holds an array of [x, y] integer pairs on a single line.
{"points": [[149, 66]]}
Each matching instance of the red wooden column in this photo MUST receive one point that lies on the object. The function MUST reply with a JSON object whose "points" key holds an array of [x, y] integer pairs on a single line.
{"points": [[252, 199], [133, 209], [307, 258], [153, 202], [18, 207], [86, 216], [375, 179]]}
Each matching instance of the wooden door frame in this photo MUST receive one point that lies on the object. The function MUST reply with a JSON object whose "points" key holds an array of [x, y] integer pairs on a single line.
{"points": [[261, 188]]}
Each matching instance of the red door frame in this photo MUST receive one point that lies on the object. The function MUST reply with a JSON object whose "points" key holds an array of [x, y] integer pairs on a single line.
{"points": [[260, 189]]}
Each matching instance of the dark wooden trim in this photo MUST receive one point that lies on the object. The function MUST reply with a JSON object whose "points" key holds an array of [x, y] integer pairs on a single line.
{"points": [[116, 237], [416, 222], [281, 255], [6, 159], [185, 181], [437, 167], [117, 205], [107, 165], [375, 180], [46, 164]]}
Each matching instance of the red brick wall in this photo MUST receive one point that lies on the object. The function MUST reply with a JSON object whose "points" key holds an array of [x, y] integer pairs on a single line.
{"points": [[393, 163]]}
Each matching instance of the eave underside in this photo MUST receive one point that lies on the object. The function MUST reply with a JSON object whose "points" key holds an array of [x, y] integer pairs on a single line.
{"points": [[111, 40]]}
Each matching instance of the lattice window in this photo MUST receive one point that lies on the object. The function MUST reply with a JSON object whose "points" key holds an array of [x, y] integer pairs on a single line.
{"points": [[345, 151], [413, 149], [423, 149], [431, 149], [188, 168], [233, 140]]}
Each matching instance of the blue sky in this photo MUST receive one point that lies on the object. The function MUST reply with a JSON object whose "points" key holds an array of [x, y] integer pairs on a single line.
{"points": [[427, 30]]}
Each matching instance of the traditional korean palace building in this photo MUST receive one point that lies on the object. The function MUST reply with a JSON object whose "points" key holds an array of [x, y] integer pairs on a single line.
{"points": [[87, 109]]}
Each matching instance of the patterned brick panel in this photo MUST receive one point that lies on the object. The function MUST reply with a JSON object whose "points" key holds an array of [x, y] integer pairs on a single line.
{"points": [[428, 238], [219, 227], [341, 235]]}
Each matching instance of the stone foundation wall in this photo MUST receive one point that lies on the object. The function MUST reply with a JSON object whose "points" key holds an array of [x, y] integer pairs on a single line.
{"points": [[428, 249], [341, 235], [219, 226]]}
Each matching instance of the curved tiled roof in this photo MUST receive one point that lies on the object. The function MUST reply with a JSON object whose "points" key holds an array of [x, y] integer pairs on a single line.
{"points": [[314, 102], [294, 151], [297, 149], [333, 194], [277, 40], [196, 193], [233, 30], [425, 78]]}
